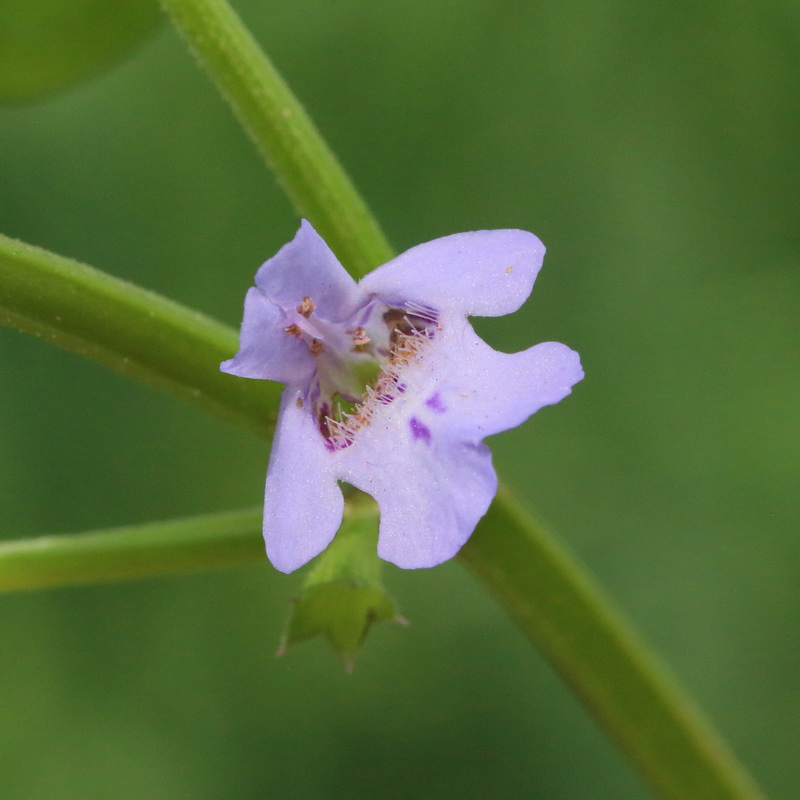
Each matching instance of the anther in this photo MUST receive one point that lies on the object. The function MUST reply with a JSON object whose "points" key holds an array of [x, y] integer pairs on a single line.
{"points": [[306, 307], [293, 330], [316, 347], [360, 337]]}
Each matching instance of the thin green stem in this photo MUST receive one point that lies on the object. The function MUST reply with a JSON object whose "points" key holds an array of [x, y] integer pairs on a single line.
{"points": [[135, 551], [129, 552], [305, 166], [130, 330]]}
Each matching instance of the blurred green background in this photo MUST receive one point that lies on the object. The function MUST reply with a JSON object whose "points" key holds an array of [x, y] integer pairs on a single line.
{"points": [[654, 149]]}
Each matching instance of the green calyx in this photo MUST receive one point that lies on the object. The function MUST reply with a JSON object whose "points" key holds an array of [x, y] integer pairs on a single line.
{"points": [[342, 595]]}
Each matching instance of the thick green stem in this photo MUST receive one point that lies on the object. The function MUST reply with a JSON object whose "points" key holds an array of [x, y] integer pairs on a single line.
{"points": [[286, 137], [593, 648], [130, 330]]}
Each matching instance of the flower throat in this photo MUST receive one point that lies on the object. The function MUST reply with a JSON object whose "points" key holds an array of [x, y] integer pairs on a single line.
{"points": [[360, 363]]}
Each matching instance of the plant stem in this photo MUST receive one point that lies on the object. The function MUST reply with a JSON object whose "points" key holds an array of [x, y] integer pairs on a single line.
{"points": [[130, 330], [129, 552], [287, 139], [134, 551], [597, 653]]}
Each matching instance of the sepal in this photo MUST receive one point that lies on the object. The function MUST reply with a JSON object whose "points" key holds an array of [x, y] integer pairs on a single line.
{"points": [[342, 594]]}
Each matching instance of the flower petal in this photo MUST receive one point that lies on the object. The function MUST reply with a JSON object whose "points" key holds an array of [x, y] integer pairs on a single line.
{"points": [[482, 273], [303, 504], [265, 349], [431, 491], [307, 267], [480, 392]]}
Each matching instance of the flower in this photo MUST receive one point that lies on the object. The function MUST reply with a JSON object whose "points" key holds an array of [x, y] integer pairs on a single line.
{"points": [[389, 389]]}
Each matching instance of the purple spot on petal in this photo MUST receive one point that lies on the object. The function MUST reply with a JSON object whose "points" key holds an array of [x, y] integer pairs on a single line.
{"points": [[434, 402], [419, 431]]}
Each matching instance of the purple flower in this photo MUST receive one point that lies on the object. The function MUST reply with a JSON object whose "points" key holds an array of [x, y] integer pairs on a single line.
{"points": [[388, 388]]}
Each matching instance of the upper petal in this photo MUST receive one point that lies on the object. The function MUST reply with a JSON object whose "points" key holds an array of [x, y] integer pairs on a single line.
{"points": [[265, 349], [307, 267], [303, 504], [483, 273], [431, 489]]}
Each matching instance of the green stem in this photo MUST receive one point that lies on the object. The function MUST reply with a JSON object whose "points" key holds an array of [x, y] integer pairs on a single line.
{"points": [[130, 330], [206, 541], [286, 137], [597, 653], [135, 551]]}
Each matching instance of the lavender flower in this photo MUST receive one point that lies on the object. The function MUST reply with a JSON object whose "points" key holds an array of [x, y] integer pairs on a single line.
{"points": [[389, 388]]}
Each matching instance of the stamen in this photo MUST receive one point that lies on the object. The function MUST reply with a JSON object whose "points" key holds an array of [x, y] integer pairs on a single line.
{"points": [[360, 337], [316, 347], [409, 343], [293, 330], [306, 307]]}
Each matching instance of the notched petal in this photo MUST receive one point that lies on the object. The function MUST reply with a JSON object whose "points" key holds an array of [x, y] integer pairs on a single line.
{"points": [[431, 490], [305, 275], [303, 504], [267, 349], [482, 273], [428, 520], [485, 392]]}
